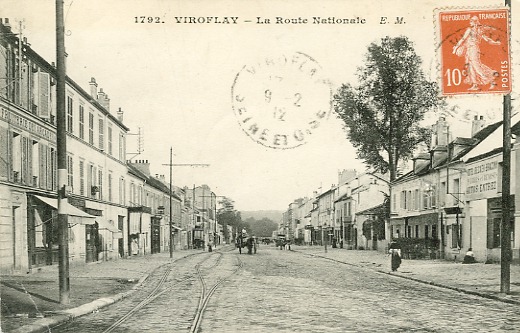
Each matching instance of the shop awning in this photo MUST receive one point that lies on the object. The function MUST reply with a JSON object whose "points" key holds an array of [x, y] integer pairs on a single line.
{"points": [[69, 210], [104, 225], [107, 226]]}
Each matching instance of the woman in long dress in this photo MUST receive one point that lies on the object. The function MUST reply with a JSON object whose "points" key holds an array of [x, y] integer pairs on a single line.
{"points": [[395, 253], [469, 46]]}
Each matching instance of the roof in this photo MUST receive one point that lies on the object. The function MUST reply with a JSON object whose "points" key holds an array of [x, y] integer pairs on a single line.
{"points": [[371, 211], [482, 156], [136, 172], [345, 196], [153, 182], [33, 55], [441, 160]]}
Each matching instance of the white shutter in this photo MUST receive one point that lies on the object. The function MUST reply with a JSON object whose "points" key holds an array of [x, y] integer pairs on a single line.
{"points": [[44, 92]]}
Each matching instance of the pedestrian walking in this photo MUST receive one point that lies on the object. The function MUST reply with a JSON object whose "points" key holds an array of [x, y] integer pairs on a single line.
{"points": [[395, 255]]}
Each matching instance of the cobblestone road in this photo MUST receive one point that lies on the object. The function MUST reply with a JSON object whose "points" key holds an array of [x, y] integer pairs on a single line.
{"points": [[282, 291]]}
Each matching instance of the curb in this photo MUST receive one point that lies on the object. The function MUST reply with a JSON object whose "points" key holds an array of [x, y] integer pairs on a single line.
{"points": [[45, 324], [460, 290], [431, 283]]}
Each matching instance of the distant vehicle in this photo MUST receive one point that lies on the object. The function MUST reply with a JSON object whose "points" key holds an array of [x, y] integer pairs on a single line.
{"points": [[281, 241], [243, 240], [266, 240]]}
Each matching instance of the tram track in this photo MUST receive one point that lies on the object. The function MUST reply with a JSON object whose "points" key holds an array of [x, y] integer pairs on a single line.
{"points": [[205, 294], [156, 291]]}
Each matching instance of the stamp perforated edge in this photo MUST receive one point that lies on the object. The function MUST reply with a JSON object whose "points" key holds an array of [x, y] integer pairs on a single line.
{"points": [[438, 56]]}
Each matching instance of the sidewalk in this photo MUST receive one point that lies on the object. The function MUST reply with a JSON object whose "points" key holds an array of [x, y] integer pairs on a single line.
{"points": [[478, 279], [30, 303]]}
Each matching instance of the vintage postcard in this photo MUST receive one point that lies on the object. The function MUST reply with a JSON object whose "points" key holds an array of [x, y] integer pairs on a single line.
{"points": [[146, 145]]}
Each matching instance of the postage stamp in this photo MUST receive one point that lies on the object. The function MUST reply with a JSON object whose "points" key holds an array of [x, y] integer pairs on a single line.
{"points": [[475, 51], [280, 101]]}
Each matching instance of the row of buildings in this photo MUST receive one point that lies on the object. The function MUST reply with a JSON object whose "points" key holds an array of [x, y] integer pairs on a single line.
{"points": [[448, 202], [116, 208]]}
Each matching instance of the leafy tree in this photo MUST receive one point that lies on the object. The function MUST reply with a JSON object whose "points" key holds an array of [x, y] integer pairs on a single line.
{"points": [[228, 215], [382, 114], [261, 228]]}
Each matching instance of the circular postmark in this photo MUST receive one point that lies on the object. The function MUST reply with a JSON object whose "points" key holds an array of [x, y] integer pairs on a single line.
{"points": [[281, 101]]}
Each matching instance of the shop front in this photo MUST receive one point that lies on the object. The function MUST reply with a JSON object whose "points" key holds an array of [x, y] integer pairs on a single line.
{"points": [[43, 230]]}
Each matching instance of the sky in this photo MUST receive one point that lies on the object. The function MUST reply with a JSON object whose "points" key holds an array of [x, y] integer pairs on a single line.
{"points": [[174, 80]]}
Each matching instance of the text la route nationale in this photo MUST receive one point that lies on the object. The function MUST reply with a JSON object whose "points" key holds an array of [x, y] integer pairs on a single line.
{"points": [[277, 20]]}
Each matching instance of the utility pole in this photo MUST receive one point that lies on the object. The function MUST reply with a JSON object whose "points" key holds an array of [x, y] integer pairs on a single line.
{"points": [[61, 134], [505, 232], [171, 165], [171, 204]]}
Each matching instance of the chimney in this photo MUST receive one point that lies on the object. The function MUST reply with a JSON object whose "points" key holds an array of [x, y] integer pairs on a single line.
{"points": [[103, 99], [440, 133], [93, 88], [143, 166], [7, 24], [477, 125], [120, 115]]}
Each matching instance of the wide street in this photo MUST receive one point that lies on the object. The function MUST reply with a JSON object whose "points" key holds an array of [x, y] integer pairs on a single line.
{"points": [[284, 291]]}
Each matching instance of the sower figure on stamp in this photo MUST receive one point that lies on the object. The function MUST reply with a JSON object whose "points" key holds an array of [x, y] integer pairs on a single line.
{"points": [[468, 45], [395, 255]]}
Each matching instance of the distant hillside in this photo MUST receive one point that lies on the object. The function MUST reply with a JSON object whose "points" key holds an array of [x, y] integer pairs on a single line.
{"points": [[274, 215]]}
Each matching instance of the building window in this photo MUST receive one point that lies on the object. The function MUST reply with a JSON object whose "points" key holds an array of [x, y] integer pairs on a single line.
{"points": [[81, 177], [416, 231], [82, 122], [109, 139], [70, 107], [101, 134], [434, 231], [91, 128], [456, 191], [92, 189], [442, 195]]}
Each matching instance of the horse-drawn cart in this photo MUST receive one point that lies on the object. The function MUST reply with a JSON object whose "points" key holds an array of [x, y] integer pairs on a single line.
{"points": [[243, 240]]}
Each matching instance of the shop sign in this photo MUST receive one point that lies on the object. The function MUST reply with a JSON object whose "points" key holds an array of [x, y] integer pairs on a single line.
{"points": [[483, 179]]}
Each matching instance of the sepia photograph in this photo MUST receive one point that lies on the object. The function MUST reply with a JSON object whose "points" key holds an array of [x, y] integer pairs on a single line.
{"points": [[218, 166]]}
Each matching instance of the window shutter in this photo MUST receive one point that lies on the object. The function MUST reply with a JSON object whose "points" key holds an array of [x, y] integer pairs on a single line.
{"points": [[24, 86], [23, 176], [4, 153], [41, 165], [44, 95], [29, 162], [3, 71]]}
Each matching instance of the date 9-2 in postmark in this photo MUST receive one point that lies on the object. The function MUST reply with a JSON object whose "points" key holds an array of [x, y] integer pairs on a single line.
{"points": [[474, 51], [280, 101]]}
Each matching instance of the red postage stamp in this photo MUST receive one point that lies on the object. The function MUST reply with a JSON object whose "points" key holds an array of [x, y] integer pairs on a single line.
{"points": [[475, 52]]}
